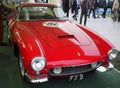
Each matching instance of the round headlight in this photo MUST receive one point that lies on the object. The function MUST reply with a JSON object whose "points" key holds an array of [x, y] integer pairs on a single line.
{"points": [[94, 65], [112, 54], [38, 63], [57, 70]]}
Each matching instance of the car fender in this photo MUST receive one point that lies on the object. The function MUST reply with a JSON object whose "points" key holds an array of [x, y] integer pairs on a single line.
{"points": [[28, 44]]}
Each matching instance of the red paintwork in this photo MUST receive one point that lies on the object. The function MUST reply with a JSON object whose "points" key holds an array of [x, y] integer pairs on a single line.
{"points": [[35, 39]]}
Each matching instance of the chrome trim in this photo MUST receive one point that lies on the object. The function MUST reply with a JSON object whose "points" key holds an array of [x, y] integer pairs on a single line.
{"points": [[37, 79], [71, 69], [106, 68], [38, 58], [109, 52]]}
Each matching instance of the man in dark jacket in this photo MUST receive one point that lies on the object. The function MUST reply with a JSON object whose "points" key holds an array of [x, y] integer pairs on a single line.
{"points": [[84, 10], [75, 8], [105, 5], [66, 6], [97, 3]]}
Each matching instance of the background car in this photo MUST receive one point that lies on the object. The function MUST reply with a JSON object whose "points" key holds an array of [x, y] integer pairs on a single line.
{"points": [[50, 45]]}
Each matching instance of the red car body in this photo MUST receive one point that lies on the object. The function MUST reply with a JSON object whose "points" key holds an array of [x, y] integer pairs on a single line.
{"points": [[68, 48]]}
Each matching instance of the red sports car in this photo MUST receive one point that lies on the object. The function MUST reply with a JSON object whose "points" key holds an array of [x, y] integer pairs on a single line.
{"points": [[49, 45]]}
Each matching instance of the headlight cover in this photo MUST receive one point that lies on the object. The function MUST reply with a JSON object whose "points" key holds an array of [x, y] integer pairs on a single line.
{"points": [[38, 63], [112, 54]]}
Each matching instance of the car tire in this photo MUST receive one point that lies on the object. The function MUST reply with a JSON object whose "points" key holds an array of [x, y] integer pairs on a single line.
{"points": [[21, 68], [9, 39]]}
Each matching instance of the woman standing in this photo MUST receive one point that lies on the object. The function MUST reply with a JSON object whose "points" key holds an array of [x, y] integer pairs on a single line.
{"points": [[115, 9], [119, 11]]}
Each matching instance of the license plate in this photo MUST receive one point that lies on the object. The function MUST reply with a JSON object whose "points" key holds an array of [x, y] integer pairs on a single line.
{"points": [[76, 77]]}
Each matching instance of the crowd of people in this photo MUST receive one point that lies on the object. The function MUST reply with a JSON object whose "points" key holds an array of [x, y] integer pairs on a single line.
{"points": [[85, 7], [88, 6]]}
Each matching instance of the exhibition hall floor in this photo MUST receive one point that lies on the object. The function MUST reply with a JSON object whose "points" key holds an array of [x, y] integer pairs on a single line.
{"points": [[10, 76]]}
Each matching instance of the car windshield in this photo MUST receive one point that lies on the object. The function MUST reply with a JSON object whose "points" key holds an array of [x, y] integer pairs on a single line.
{"points": [[43, 12]]}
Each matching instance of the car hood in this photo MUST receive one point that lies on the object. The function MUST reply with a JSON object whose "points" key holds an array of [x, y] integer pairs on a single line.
{"points": [[64, 41], [60, 33]]}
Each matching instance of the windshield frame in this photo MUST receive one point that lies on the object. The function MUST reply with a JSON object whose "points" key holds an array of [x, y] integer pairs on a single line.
{"points": [[56, 11]]}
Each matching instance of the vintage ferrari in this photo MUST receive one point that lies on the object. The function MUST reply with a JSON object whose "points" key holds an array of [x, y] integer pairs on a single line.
{"points": [[50, 45]]}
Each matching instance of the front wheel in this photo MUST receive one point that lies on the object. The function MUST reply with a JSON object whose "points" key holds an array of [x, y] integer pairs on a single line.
{"points": [[21, 68], [8, 33]]}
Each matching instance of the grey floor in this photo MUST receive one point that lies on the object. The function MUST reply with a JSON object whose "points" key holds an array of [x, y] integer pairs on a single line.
{"points": [[106, 27]]}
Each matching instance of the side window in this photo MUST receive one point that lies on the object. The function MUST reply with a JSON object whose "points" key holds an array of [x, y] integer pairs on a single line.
{"points": [[41, 13], [49, 11], [59, 12], [24, 14]]}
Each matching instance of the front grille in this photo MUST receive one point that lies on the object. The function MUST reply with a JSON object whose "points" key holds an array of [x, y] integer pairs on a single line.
{"points": [[73, 70]]}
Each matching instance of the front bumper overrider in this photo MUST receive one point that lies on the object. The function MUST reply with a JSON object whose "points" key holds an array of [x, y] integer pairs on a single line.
{"points": [[106, 68], [37, 79]]}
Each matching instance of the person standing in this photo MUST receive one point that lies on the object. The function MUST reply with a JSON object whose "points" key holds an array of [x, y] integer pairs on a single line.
{"points": [[105, 6], [92, 8], [97, 2], [75, 5], [66, 7], [119, 11], [84, 10], [115, 9]]}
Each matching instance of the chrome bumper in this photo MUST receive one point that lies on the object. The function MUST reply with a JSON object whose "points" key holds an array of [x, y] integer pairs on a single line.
{"points": [[37, 79], [105, 68], [44, 78]]}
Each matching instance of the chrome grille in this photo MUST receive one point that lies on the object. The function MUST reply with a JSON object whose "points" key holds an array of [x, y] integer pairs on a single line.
{"points": [[74, 69]]}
